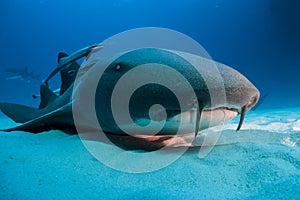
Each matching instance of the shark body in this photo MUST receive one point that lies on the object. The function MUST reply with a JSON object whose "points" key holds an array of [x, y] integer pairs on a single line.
{"points": [[21, 73], [56, 111]]}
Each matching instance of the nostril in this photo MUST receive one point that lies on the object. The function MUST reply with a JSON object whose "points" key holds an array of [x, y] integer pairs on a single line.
{"points": [[252, 101]]}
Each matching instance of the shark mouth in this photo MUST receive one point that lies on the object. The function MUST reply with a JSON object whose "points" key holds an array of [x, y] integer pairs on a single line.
{"points": [[226, 110], [214, 117]]}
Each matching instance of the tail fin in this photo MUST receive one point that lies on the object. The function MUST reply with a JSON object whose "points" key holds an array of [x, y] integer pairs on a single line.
{"points": [[18, 113]]}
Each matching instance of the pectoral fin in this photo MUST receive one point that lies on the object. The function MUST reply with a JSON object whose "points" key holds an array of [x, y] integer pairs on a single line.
{"points": [[18, 113]]}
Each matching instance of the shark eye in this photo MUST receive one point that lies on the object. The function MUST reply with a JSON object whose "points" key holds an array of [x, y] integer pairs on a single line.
{"points": [[118, 67], [71, 72]]}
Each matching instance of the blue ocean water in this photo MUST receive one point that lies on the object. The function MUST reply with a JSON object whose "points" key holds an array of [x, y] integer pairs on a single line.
{"points": [[258, 38]]}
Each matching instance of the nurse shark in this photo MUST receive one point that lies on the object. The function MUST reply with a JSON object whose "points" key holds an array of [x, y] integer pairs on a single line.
{"points": [[21, 73], [56, 110]]}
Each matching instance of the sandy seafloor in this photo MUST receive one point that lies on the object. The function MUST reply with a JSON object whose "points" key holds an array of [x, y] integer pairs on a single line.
{"points": [[262, 161]]}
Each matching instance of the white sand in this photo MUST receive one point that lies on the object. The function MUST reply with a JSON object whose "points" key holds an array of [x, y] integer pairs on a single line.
{"points": [[263, 162]]}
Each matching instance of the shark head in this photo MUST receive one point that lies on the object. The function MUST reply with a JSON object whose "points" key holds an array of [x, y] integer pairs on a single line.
{"points": [[155, 80]]}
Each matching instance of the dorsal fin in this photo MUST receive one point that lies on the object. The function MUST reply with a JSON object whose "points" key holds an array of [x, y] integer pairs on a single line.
{"points": [[68, 76], [47, 96], [61, 55]]}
